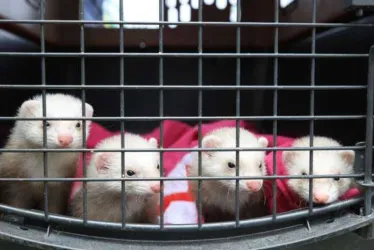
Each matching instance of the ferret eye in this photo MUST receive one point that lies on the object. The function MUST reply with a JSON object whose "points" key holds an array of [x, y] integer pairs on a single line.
{"points": [[158, 166], [130, 172], [78, 125], [260, 166], [231, 165], [303, 173], [336, 179], [47, 124]]}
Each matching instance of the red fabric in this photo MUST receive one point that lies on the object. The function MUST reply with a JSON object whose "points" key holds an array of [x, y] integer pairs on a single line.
{"points": [[176, 135], [189, 139], [286, 198], [281, 140]]}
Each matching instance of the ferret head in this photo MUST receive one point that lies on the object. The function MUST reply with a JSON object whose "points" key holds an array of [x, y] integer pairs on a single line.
{"points": [[325, 190], [60, 134], [137, 164], [223, 163]]}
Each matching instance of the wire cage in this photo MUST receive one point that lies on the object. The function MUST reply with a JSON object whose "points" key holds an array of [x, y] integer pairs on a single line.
{"points": [[291, 68]]}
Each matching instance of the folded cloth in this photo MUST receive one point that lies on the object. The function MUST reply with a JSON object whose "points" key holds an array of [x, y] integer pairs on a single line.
{"points": [[286, 198], [179, 204]]}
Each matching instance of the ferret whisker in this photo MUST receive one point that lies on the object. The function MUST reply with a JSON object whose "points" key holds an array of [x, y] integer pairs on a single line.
{"points": [[228, 194]]}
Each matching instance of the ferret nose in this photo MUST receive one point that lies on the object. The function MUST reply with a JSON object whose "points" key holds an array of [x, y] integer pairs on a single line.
{"points": [[320, 198], [65, 140], [156, 188], [254, 185]]}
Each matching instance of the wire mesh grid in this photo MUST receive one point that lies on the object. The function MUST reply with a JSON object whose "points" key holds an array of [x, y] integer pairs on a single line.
{"points": [[238, 87]]}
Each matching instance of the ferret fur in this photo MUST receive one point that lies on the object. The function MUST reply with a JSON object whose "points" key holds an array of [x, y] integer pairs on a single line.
{"points": [[325, 162], [28, 134], [218, 196], [104, 202]]}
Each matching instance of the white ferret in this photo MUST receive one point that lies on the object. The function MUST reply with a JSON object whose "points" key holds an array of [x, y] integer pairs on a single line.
{"points": [[104, 199], [218, 196], [28, 134], [325, 162]]}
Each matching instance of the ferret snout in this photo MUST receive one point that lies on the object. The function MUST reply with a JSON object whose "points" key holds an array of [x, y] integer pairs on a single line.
{"points": [[320, 198], [65, 139], [254, 185], [156, 187], [321, 191]]}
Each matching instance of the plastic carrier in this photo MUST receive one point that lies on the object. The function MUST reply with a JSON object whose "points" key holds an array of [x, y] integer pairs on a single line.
{"points": [[289, 67]]}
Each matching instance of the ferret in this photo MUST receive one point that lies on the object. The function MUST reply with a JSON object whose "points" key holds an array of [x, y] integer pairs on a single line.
{"points": [[294, 193], [104, 199], [324, 162], [218, 196], [28, 134]]}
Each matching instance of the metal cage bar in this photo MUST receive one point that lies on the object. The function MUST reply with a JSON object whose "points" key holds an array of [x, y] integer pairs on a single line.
{"points": [[205, 227], [237, 122], [185, 149], [196, 23], [44, 107], [312, 104], [184, 87], [189, 118], [83, 96], [182, 55], [161, 107], [122, 113], [275, 107], [200, 113], [271, 177]]}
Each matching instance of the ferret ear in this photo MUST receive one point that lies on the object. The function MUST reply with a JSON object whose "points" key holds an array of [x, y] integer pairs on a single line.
{"points": [[102, 162], [153, 142], [348, 156], [288, 157], [263, 142], [29, 108], [210, 141], [89, 110]]}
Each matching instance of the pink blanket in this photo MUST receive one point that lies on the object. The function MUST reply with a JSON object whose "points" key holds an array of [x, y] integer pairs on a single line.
{"points": [[286, 198]]}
